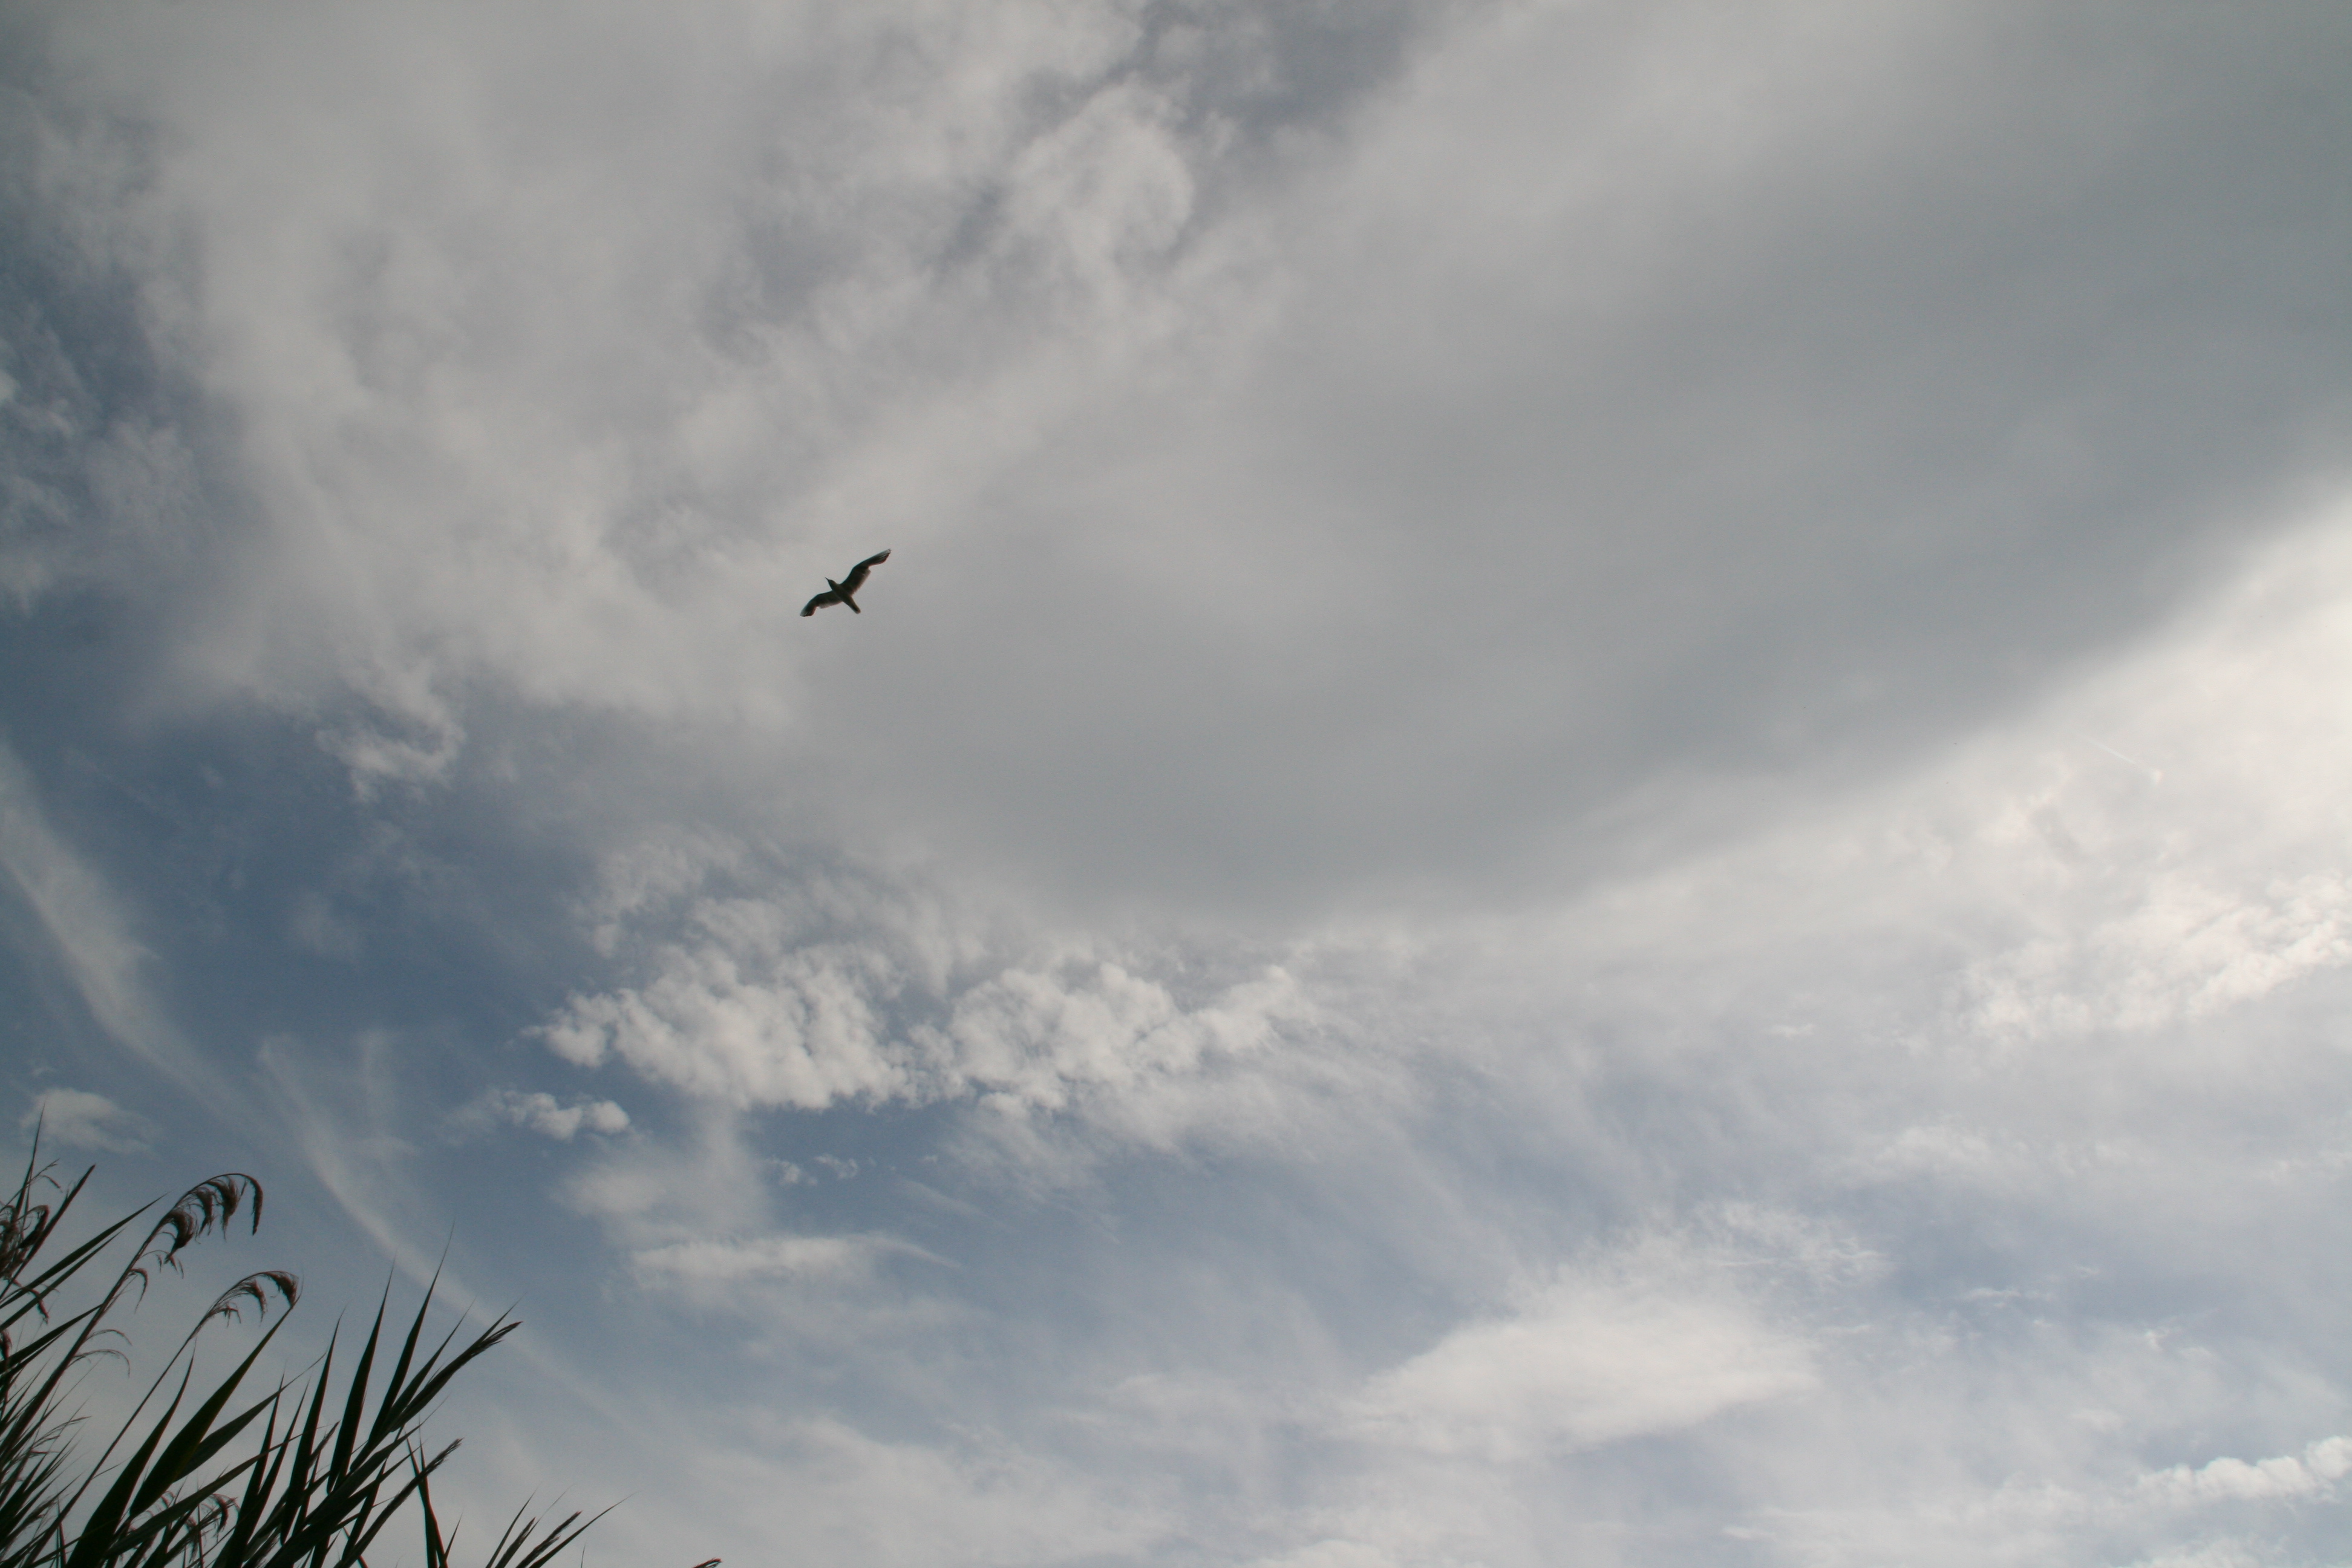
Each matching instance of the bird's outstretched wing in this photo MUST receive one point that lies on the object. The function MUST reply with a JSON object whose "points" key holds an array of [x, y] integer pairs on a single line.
{"points": [[827, 597], [856, 578]]}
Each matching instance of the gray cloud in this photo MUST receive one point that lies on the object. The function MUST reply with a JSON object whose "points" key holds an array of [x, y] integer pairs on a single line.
{"points": [[1804, 428], [1835, 382]]}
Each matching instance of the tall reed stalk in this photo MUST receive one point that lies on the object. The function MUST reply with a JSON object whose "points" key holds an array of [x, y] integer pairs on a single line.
{"points": [[305, 1475]]}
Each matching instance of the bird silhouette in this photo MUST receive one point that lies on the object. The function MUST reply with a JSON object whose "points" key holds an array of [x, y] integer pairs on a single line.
{"points": [[845, 590]]}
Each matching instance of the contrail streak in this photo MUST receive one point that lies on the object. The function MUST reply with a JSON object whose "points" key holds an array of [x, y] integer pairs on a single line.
{"points": [[2155, 775]]}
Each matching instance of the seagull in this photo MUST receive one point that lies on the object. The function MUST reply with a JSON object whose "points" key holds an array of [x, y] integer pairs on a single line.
{"points": [[845, 590]]}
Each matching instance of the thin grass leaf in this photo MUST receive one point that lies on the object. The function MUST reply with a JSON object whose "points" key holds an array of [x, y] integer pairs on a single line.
{"points": [[309, 1484], [259, 1484], [346, 1430], [183, 1523], [98, 1531], [193, 1447], [32, 1295]]}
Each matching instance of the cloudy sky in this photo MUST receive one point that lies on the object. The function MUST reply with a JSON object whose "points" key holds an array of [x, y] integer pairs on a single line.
{"points": [[1596, 811]]}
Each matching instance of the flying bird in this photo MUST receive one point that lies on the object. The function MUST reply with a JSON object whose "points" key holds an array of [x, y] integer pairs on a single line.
{"points": [[845, 590]]}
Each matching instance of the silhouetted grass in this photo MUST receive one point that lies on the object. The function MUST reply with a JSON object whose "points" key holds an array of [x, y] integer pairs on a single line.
{"points": [[304, 1476]]}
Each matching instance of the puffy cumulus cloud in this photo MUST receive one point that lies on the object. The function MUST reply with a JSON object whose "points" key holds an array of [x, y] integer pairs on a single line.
{"points": [[1041, 1038], [2021, 1521], [2314, 1472], [799, 1030], [79, 1119], [1640, 1344], [844, 990]]}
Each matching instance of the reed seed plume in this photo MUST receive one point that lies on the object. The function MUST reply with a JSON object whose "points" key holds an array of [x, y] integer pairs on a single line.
{"points": [[309, 1474], [256, 1286]]}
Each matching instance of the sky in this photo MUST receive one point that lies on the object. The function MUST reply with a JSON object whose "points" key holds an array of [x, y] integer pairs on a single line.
{"points": [[1594, 812]]}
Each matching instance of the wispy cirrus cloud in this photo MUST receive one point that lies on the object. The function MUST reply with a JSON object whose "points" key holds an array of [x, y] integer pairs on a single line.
{"points": [[89, 932]]}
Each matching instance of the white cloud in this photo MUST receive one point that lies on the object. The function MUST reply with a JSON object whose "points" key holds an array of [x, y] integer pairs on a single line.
{"points": [[801, 1033], [1041, 1038], [842, 1495], [1589, 1360], [2185, 951], [79, 1119], [1643, 1344], [2169, 900], [652, 1193], [1330, 1554], [905, 999], [2211, 1555], [801, 1257], [412, 735], [543, 1113], [2312, 1474], [668, 866]]}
